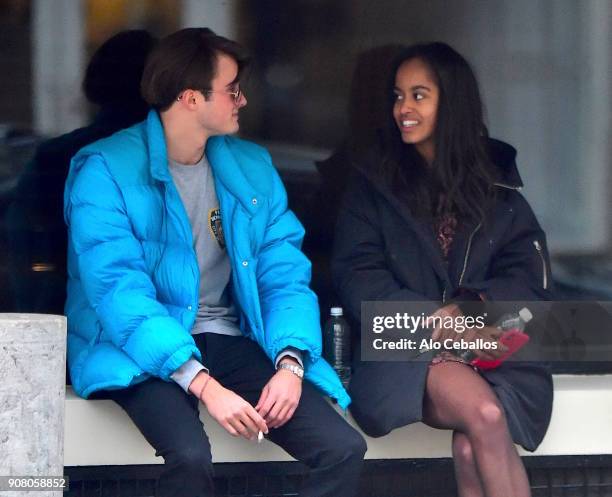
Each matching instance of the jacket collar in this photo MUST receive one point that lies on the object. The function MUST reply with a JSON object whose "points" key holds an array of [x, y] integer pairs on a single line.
{"points": [[502, 155], [224, 158], [220, 154], [156, 144]]}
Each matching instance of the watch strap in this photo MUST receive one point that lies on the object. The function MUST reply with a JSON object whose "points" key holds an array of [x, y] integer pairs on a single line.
{"points": [[294, 368]]}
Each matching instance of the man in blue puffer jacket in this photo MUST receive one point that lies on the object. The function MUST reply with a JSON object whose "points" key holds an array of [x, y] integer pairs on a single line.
{"points": [[186, 281]]}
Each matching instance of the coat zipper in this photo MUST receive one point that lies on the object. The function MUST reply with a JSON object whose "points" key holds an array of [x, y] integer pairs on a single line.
{"points": [[509, 187], [538, 247], [467, 252]]}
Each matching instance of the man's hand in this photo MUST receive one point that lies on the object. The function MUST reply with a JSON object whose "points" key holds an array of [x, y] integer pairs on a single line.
{"points": [[230, 410], [280, 397]]}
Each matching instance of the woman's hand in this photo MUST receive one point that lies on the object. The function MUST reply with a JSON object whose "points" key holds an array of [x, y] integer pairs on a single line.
{"points": [[487, 334], [442, 333]]}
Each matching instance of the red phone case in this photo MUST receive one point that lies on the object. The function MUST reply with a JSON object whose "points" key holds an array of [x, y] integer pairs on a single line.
{"points": [[513, 339]]}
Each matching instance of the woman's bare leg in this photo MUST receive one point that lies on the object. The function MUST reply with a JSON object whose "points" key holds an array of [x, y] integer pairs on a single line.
{"points": [[457, 398], [466, 472]]}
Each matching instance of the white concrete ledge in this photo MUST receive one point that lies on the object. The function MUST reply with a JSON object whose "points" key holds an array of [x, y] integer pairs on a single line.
{"points": [[98, 432], [32, 388]]}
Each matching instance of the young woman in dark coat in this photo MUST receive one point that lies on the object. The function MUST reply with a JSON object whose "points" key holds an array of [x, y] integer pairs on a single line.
{"points": [[435, 214]]}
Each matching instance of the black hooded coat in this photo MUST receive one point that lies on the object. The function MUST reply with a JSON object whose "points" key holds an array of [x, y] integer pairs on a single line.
{"points": [[383, 253]]}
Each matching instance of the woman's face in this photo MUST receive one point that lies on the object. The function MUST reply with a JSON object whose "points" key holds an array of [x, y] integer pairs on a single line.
{"points": [[416, 106]]}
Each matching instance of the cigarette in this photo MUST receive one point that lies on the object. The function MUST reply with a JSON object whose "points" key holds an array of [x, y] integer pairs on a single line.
{"points": [[260, 437]]}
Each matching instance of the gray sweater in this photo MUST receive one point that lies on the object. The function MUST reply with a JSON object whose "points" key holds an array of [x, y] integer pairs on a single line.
{"points": [[216, 311]]}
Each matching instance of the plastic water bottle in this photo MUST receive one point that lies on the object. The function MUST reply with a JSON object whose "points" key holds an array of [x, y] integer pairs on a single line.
{"points": [[515, 321], [337, 344], [511, 325]]}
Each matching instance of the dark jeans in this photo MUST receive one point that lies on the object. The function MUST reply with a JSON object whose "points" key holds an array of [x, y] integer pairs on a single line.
{"points": [[168, 418]]}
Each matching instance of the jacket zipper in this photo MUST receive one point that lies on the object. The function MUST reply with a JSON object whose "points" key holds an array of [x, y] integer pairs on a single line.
{"points": [[467, 253], [538, 247], [509, 187]]}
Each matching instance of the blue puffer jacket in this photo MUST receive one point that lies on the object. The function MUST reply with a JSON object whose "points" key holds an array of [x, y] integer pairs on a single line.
{"points": [[133, 277]]}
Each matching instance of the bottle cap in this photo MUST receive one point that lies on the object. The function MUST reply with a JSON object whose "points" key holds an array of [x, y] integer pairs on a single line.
{"points": [[336, 311], [525, 315]]}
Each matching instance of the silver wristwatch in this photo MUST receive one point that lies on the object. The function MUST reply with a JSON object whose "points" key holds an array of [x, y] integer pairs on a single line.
{"points": [[294, 368]]}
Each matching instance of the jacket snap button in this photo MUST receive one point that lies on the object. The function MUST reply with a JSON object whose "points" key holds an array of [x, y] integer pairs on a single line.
{"points": [[254, 200], [188, 307], [245, 263]]}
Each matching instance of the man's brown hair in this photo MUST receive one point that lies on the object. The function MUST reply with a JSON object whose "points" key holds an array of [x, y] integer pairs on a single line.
{"points": [[186, 59]]}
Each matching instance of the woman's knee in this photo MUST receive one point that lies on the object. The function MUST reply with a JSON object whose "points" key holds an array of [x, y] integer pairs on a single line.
{"points": [[487, 418]]}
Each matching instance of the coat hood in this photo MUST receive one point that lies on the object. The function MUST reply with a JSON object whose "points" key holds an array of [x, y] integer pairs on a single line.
{"points": [[502, 154]]}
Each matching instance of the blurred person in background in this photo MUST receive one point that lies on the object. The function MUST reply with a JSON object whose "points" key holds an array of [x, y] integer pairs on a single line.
{"points": [[433, 214], [318, 211], [187, 282], [35, 224]]}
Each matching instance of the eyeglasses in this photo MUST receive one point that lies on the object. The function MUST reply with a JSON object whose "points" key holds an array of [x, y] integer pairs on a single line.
{"points": [[235, 94]]}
